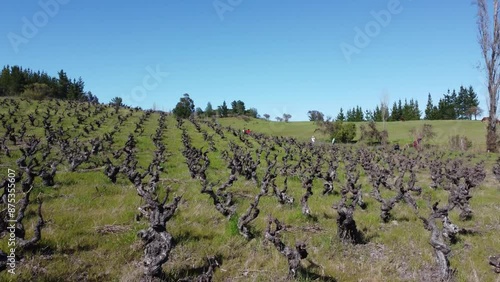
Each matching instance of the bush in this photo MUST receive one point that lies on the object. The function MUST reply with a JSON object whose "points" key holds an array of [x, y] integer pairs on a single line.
{"points": [[461, 143], [343, 132], [36, 91]]}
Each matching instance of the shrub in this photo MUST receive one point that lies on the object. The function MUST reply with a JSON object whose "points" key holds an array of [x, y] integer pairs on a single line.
{"points": [[36, 91], [343, 132]]}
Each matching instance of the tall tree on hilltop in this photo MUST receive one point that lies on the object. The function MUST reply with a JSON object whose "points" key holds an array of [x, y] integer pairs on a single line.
{"points": [[238, 107], [185, 107], [63, 82], [5, 81], [223, 110], [315, 115]]}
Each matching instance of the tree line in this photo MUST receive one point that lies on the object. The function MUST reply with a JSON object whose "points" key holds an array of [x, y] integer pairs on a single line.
{"points": [[16, 81], [461, 105], [453, 105], [186, 107]]}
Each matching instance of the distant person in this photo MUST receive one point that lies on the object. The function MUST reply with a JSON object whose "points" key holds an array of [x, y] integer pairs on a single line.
{"points": [[416, 143]]}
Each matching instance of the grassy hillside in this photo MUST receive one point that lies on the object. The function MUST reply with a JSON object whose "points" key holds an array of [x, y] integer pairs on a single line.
{"points": [[399, 132], [91, 224]]}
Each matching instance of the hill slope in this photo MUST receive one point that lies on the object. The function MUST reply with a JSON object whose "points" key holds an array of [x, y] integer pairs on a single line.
{"points": [[91, 224]]}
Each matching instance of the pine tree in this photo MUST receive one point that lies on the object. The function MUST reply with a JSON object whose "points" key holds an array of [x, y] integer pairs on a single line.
{"points": [[369, 115], [462, 103], [209, 111], [351, 115], [358, 116], [400, 110], [63, 84], [394, 112], [417, 112], [429, 109], [446, 109], [5, 81], [341, 116], [472, 103], [377, 114]]}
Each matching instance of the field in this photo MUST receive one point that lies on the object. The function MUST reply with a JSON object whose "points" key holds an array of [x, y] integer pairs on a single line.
{"points": [[399, 132], [223, 189]]}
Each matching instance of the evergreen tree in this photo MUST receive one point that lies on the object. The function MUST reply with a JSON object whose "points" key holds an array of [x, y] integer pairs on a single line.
{"points": [[417, 112], [63, 85], [377, 114], [14, 80], [17, 81], [462, 104], [209, 111], [406, 111], [198, 111], [394, 113], [400, 110], [341, 116], [238, 107], [453, 101], [446, 109], [223, 110], [472, 103], [350, 115], [430, 113], [5, 81], [369, 115], [359, 116]]}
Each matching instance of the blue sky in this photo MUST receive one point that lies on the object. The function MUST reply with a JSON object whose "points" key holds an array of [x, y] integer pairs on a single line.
{"points": [[277, 56]]}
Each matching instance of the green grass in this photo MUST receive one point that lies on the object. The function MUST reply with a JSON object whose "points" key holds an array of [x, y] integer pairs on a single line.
{"points": [[84, 202], [399, 132]]}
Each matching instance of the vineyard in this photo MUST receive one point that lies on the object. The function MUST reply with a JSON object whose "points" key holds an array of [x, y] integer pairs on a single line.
{"points": [[120, 194]]}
